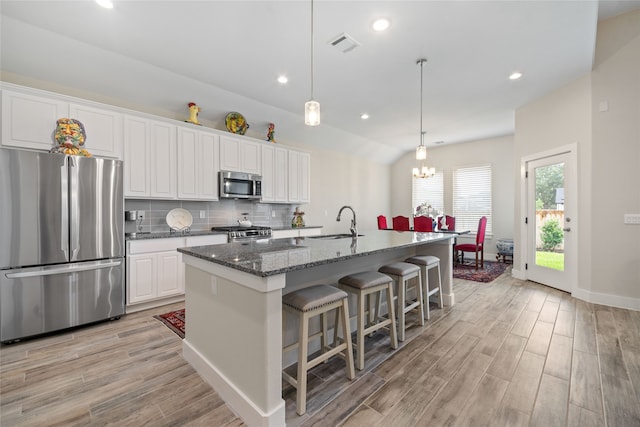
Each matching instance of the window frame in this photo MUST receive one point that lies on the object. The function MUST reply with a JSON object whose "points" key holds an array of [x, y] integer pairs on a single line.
{"points": [[477, 179]]}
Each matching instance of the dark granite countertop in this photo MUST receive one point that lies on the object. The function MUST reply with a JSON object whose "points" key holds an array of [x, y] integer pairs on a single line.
{"points": [[269, 257], [165, 235], [288, 227]]}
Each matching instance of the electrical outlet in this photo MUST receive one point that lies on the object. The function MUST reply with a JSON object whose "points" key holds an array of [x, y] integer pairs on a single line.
{"points": [[273, 214], [632, 219], [203, 214], [140, 214]]}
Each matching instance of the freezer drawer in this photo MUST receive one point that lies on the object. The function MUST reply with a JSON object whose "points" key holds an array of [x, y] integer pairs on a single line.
{"points": [[44, 299]]}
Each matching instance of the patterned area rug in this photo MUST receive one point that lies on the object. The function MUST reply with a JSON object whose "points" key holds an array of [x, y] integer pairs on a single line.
{"points": [[490, 272], [174, 321]]}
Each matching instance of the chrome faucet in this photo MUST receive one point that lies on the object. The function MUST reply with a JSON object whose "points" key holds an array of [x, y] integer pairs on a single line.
{"points": [[353, 229]]}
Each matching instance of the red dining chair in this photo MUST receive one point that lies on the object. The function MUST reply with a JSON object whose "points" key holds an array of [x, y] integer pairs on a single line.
{"points": [[450, 221], [400, 223], [382, 222], [422, 223], [478, 247]]}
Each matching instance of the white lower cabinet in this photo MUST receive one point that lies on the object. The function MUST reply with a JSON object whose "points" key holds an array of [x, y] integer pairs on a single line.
{"points": [[155, 273]]}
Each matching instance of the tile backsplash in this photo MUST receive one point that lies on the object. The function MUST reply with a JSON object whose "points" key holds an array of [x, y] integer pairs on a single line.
{"points": [[220, 213]]}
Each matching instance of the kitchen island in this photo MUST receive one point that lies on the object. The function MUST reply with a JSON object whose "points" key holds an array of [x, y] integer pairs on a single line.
{"points": [[234, 334]]}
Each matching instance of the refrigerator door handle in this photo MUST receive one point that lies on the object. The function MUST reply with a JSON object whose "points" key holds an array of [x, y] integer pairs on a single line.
{"points": [[50, 271], [64, 210], [75, 209]]}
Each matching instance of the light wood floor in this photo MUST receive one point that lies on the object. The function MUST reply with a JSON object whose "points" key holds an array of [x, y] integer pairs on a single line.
{"points": [[509, 353]]}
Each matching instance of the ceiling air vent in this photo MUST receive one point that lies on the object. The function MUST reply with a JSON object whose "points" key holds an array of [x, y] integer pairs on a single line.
{"points": [[344, 42]]}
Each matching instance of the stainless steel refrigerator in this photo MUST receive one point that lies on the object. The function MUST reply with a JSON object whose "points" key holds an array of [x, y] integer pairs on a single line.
{"points": [[61, 242]]}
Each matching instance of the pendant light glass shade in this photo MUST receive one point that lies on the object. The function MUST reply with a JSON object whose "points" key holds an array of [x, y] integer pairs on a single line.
{"points": [[312, 113], [421, 152]]}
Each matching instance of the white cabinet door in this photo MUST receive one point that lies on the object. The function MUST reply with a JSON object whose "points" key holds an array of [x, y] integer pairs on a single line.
{"points": [[240, 155], [187, 163], [229, 154], [281, 171], [137, 171], [210, 165], [103, 128], [304, 171], [162, 154], [149, 158], [29, 121], [268, 173], [170, 274], [299, 177], [198, 164], [141, 278], [250, 157]]}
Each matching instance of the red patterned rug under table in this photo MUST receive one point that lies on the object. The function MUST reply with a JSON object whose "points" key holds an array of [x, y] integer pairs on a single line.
{"points": [[487, 274], [174, 321]]}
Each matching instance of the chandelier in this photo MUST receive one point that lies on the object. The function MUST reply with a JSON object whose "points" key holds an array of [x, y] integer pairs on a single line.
{"points": [[421, 150]]}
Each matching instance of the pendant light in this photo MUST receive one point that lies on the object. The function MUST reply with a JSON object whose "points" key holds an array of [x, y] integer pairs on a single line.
{"points": [[421, 150], [311, 107]]}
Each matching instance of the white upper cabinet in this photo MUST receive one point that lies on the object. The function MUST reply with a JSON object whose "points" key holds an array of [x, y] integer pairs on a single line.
{"points": [[29, 121], [299, 177], [240, 155], [103, 129], [198, 164], [149, 158], [274, 174]]}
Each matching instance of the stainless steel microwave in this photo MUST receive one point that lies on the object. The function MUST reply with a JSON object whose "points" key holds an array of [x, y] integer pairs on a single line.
{"points": [[239, 185]]}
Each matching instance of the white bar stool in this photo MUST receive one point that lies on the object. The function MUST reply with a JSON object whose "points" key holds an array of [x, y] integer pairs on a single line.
{"points": [[365, 285], [426, 263], [306, 303], [402, 273]]}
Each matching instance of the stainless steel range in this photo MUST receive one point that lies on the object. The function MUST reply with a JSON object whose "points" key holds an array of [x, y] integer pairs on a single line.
{"points": [[236, 233]]}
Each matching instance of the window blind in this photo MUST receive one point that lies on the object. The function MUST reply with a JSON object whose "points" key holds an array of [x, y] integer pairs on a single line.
{"points": [[472, 197], [430, 191]]}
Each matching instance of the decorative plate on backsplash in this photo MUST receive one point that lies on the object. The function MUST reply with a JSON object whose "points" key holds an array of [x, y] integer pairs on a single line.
{"points": [[179, 219]]}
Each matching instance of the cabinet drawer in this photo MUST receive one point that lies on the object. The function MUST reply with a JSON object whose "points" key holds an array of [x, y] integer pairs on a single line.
{"points": [[155, 245]]}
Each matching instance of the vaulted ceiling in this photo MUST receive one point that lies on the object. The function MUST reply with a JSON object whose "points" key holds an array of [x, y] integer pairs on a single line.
{"points": [[226, 56]]}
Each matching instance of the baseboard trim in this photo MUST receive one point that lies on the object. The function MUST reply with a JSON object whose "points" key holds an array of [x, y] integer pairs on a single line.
{"points": [[607, 299], [238, 401]]}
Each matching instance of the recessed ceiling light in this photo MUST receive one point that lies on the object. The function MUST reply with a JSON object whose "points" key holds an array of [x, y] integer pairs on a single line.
{"points": [[282, 79], [515, 76], [364, 116], [107, 4], [381, 24]]}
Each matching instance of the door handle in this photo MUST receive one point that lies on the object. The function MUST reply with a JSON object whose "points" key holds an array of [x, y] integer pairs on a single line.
{"points": [[566, 229]]}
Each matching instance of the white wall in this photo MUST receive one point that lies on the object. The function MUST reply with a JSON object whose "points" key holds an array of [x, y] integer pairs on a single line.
{"points": [[496, 151], [337, 180], [608, 161], [615, 177]]}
